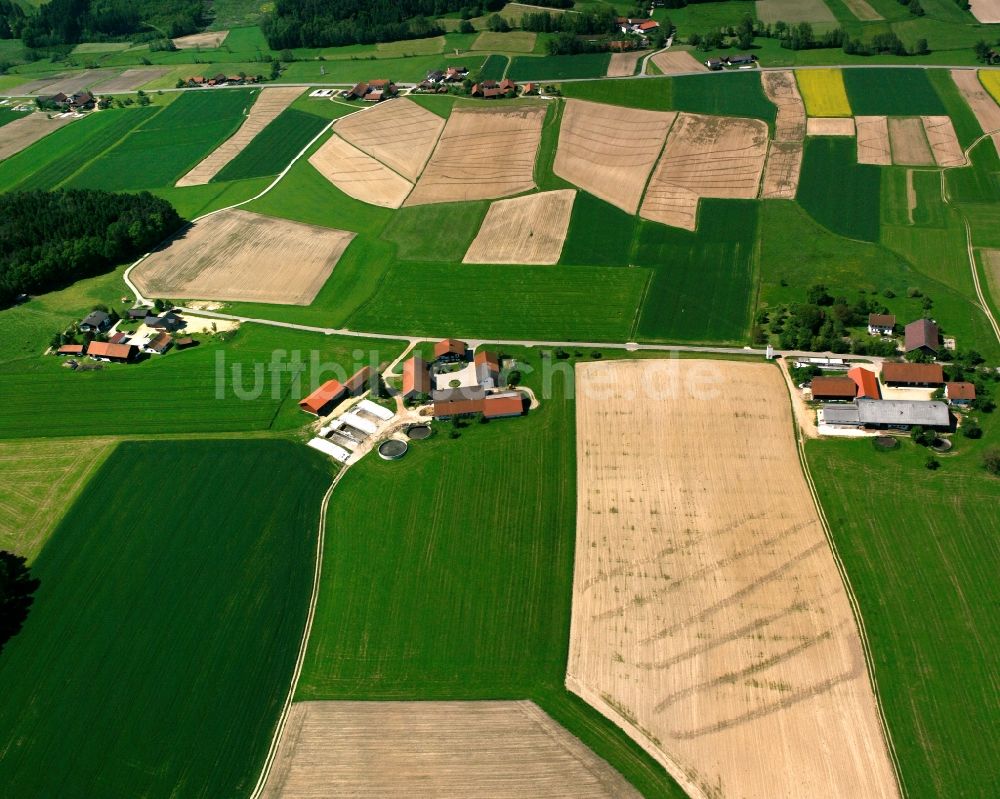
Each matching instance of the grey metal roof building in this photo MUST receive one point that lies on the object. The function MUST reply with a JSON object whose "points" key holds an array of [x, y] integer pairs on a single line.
{"points": [[889, 413]]}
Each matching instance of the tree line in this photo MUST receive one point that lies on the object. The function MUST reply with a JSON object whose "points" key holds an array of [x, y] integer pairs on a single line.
{"points": [[50, 239]]}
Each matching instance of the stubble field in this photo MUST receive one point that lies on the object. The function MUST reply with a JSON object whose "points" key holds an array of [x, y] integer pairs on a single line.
{"points": [[873, 140], [22, 133], [909, 142], [708, 612], [359, 175], [523, 230]]}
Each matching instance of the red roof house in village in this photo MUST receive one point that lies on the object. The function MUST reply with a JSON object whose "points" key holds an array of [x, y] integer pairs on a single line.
{"points": [[866, 382], [416, 377]]}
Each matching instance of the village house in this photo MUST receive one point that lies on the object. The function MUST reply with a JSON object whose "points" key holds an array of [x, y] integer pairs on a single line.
{"points": [[138, 313], [638, 27], [169, 322], [450, 350], [742, 59], [714, 64], [95, 322], [881, 324], [160, 344], [913, 375], [866, 383], [455, 74], [106, 351], [487, 369], [416, 378], [961, 394], [923, 336]]}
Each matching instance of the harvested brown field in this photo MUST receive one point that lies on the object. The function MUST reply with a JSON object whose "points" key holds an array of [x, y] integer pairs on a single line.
{"points": [[523, 230], [782, 90], [399, 133], [709, 617], [673, 62], [830, 126], [237, 255], [623, 64], [36, 85], [482, 155], [209, 40], [909, 142], [985, 10], [609, 151], [984, 107], [270, 103], [782, 170], [943, 141], [66, 82], [873, 140], [863, 10], [444, 750], [23, 132], [359, 175], [705, 156], [133, 79]]}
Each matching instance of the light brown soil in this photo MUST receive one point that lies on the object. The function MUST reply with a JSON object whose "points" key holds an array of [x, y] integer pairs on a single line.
{"points": [[705, 156], [909, 142], [399, 133], [482, 154], [991, 263], [523, 230], [782, 90], [709, 618], [23, 132], [943, 141], [911, 195], [67, 82], [439, 750], [359, 175], [623, 64], [237, 255], [863, 10], [985, 10], [609, 150], [984, 107], [830, 126], [782, 170], [873, 140], [674, 61], [209, 40], [132, 79], [36, 85], [270, 103]]}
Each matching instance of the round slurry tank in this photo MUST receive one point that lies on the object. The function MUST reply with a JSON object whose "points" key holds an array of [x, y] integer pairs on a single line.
{"points": [[419, 432], [392, 450]]}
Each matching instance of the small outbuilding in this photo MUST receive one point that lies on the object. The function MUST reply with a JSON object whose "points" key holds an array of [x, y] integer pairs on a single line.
{"points": [[961, 394], [160, 344], [70, 349], [106, 351], [487, 369], [835, 389]]}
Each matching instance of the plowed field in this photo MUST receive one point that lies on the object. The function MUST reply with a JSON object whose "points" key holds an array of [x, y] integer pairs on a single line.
{"points": [[781, 89]]}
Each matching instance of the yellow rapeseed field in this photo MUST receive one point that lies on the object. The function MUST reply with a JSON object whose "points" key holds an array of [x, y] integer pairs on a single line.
{"points": [[991, 80], [823, 92]]}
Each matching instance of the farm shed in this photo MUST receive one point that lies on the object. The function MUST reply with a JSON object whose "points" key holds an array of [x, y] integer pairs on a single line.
{"points": [[184, 343], [120, 353], [503, 405], [363, 425], [889, 414], [833, 388], [328, 448], [416, 377], [358, 382], [460, 393], [922, 335], [960, 393], [450, 349], [323, 398], [138, 313], [70, 349], [881, 324], [375, 410], [866, 382], [487, 368], [923, 375]]}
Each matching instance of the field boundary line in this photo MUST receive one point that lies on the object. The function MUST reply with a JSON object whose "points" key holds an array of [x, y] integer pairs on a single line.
{"points": [[306, 632], [887, 739]]}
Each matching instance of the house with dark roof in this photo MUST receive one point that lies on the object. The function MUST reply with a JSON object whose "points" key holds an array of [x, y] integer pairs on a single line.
{"points": [[914, 375], [138, 313], [881, 324], [359, 381], [160, 344], [450, 350], [741, 59], [961, 393], [82, 101], [416, 378], [889, 414], [714, 64], [95, 322], [170, 322], [923, 336], [835, 389]]}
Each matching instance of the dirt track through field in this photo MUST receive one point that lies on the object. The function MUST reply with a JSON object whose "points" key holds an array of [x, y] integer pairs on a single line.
{"points": [[984, 107], [482, 155], [399, 133], [359, 175], [622, 65], [909, 142], [782, 170], [269, 103], [873, 140], [523, 230], [830, 126], [439, 750], [709, 618], [672, 62], [610, 151], [943, 141], [782, 90], [238, 255], [21, 133], [705, 156], [210, 40]]}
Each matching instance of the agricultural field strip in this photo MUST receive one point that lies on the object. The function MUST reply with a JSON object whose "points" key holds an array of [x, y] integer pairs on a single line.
{"points": [[943, 141], [479, 750], [705, 156], [830, 126], [984, 107], [269, 104], [823, 92], [22, 133], [523, 230], [610, 151], [873, 140], [359, 175], [784, 155], [708, 612], [677, 62], [909, 142], [622, 65]]}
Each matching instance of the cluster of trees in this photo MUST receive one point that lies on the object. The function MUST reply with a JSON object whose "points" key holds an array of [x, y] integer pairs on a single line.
{"points": [[332, 23], [17, 588], [985, 54], [60, 22], [603, 20], [50, 239], [12, 20], [914, 7]]}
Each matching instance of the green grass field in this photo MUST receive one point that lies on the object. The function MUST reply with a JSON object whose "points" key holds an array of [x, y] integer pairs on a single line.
{"points": [[653, 95], [165, 147], [161, 644], [703, 284], [450, 607], [919, 549], [273, 148], [512, 42], [557, 67], [895, 92], [837, 191], [599, 234], [181, 392], [733, 93], [441, 232], [493, 67], [979, 183], [7, 116]]}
